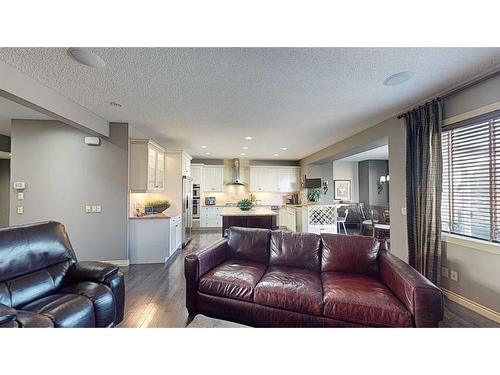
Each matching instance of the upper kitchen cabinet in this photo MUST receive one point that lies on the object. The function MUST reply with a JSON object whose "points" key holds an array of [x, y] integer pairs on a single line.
{"points": [[274, 179], [197, 173], [213, 178], [147, 166], [186, 164]]}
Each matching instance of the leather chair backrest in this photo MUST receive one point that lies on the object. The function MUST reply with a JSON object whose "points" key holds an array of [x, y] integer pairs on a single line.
{"points": [[351, 254], [33, 261], [249, 244], [299, 250]]}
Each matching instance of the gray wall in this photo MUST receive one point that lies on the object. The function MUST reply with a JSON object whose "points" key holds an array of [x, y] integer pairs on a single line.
{"points": [[4, 192], [369, 175], [62, 175]]}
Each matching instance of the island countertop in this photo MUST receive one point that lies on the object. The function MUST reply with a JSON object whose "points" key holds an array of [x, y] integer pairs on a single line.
{"points": [[257, 211]]}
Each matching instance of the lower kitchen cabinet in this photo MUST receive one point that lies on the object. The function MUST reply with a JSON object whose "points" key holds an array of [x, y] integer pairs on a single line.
{"points": [[210, 217], [154, 240]]}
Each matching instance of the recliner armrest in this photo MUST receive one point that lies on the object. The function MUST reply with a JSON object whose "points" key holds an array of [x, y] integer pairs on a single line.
{"points": [[420, 296], [7, 314], [91, 271], [199, 263]]}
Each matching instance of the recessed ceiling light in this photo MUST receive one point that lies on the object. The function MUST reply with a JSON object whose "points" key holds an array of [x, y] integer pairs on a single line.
{"points": [[208, 153], [115, 104], [276, 154], [248, 138], [245, 148], [242, 154], [398, 78], [86, 57], [203, 146], [284, 148]]}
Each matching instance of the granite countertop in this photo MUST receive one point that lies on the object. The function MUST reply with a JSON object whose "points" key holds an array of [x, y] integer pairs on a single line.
{"points": [[155, 216], [257, 211]]}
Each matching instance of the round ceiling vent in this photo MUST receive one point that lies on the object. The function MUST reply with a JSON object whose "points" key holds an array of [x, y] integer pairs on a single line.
{"points": [[86, 57], [398, 78]]}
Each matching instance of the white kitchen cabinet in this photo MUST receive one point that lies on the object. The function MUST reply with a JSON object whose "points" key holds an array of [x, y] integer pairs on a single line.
{"points": [[147, 166], [175, 234], [213, 178], [197, 173], [291, 219], [150, 240], [186, 165], [211, 217], [274, 179]]}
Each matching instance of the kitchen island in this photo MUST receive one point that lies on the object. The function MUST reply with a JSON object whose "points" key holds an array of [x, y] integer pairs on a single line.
{"points": [[258, 217]]}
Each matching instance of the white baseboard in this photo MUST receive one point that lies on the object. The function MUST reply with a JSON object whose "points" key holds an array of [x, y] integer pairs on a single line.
{"points": [[471, 305], [118, 262]]}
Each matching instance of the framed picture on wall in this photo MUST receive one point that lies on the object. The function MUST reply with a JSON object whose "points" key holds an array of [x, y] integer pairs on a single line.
{"points": [[342, 190]]}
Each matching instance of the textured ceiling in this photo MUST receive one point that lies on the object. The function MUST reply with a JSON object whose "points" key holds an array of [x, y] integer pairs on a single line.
{"points": [[10, 110], [302, 99]]}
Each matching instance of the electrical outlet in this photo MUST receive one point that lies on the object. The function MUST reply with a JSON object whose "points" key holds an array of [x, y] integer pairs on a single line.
{"points": [[454, 275], [88, 209], [403, 211], [20, 210], [445, 272]]}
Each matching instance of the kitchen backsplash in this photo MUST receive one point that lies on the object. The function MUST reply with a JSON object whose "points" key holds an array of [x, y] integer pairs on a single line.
{"points": [[137, 200]]}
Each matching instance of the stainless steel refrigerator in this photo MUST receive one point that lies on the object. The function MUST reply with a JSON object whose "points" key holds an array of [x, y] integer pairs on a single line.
{"points": [[187, 209]]}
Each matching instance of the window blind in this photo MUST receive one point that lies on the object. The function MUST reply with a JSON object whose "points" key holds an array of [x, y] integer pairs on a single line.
{"points": [[471, 172]]}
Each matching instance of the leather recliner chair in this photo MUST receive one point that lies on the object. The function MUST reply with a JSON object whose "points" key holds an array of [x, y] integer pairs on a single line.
{"points": [[43, 285]]}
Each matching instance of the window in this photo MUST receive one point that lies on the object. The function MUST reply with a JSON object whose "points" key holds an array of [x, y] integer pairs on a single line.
{"points": [[471, 172]]}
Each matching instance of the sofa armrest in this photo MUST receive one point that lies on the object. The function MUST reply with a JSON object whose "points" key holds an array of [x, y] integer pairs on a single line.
{"points": [[420, 296], [199, 263], [7, 315], [91, 271]]}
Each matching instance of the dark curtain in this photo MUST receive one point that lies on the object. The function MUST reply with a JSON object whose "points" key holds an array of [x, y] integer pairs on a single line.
{"points": [[424, 167]]}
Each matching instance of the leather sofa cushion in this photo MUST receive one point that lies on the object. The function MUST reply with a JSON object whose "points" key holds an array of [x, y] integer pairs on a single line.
{"points": [[65, 310], [102, 298], [249, 244], [233, 279], [299, 250], [28, 248], [288, 288], [29, 319], [351, 254], [363, 300]]}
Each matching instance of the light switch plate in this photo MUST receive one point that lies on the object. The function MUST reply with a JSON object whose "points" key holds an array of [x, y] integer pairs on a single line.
{"points": [[98, 209], [20, 210], [20, 196], [454, 275], [403, 211], [94, 208], [88, 209]]}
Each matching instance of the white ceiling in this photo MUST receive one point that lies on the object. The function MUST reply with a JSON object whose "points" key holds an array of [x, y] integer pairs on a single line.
{"points": [[379, 153], [302, 99], [10, 110]]}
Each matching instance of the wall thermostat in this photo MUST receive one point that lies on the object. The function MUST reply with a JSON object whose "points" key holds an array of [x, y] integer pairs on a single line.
{"points": [[19, 185], [92, 141]]}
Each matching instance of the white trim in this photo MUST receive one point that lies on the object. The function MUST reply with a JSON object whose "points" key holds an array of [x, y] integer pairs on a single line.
{"points": [[472, 243], [475, 112], [118, 262], [471, 305]]}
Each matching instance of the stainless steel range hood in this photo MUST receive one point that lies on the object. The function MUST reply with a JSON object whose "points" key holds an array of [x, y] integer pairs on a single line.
{"points": [[236, 173]]}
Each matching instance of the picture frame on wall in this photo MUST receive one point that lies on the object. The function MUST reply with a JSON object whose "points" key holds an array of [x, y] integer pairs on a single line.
{"points": [[342, 190]]}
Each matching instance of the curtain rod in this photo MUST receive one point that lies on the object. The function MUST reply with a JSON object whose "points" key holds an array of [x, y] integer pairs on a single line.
{"points": [[456, 90]]}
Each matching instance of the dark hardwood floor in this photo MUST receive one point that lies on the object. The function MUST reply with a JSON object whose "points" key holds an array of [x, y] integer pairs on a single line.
{"points": [[154, 295]]}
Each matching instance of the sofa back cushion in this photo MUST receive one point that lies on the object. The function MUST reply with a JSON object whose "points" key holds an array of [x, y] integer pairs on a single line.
{"points": [[249, 244], [299, 250], [28, 248], [352, 254]]}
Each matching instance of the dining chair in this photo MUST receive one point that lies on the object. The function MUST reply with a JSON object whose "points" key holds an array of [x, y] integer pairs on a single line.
{"points": [[342, 219]]}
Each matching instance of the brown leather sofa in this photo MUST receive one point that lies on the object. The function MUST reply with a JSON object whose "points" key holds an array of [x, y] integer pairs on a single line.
{"points": [[268, 278], [43, 285]]}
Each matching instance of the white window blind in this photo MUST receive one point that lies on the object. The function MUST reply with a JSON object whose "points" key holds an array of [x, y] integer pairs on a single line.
{"points": [[471, 172]]}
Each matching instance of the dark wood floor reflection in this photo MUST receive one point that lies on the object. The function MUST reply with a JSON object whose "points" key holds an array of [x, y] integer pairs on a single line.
{"points": [[154, 295]]}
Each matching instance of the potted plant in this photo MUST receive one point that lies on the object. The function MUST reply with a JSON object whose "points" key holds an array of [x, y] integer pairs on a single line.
{"points": [[158, 206], [245, 204], [313, 195]]}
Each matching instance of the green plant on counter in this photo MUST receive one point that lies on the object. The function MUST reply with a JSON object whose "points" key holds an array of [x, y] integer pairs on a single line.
{"points": [[157, 203], [245, 204], [313, 195]]}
